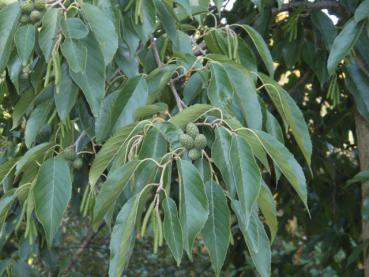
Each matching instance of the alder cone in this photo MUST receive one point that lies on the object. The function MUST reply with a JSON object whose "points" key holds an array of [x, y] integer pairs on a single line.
{"points": [[192, 130], [194, 154], [186, 141]]}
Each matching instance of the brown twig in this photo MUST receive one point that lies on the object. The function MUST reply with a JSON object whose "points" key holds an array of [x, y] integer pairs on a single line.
{"points": [[318, 5], [178, 99], [83, 246]]}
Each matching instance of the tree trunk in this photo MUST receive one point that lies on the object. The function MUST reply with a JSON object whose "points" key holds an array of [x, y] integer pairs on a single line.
{"points": [[362, 132]]}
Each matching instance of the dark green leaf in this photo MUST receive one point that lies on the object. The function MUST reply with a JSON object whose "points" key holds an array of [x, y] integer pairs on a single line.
{"points": [[75, 54], [48, 34], [9, 16], [194, 207], [103, 29], [25, 41], [217, 231], [52, 191], [172, 229], [74, 28]]}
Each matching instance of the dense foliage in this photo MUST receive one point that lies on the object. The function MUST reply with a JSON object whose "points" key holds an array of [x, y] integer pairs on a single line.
{"points": [[167, 120]]}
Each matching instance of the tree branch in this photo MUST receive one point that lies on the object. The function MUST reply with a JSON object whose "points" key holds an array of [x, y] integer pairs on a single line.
{"points": [[319, 5], [82, 247], [178, 99]]}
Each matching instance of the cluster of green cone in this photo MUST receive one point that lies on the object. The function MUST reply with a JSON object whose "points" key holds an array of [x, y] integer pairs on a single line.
{"points": [[32, 11], [70, 155], [193, 141]]}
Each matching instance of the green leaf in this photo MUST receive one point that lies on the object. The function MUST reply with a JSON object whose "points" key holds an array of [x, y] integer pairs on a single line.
{"points": [[74, 28], [5, 203], [343, 43], [221, 155], [362, 11], [111, 190], [149, 110], [5, 169], [9, 16], [357, 83], [36, 122], [66, 98], [194, 207], [118, 108], [191, 114], [361, 177], [204, 169], [281, 157], [25, 41], [133, 95], [48, 34], [21, 107], [262, 48], [256, 240], [246, 174], [52, 192], [172, 229], [217, 231], [123, 234], [92, 81], [291, 114], [75, 54], [245, 94], [32, 157], [103, 29], [267, 206], [167, 18], [324, 24], [111, 148]]}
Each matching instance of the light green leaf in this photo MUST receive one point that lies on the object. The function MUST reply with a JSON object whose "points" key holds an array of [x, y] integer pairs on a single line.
{"points": [[281, 157], [9, 16], [52, 192], [267, 206], [48, 34], [74, 28], [194, 207], [191, 114], [103, 29], [361, 177], [75, 54], [111, 190], [6, 168], [362, 11], [123, 234], [262, 48], [172, 229], [32, 157], [167, 18], [111, 148], [221, 155], [36, 122], [149, 110], [66, 98], [217, 231], [24, 42], [343, 43], [256, 240], [5, 203], [291, 114], [92, 81], [246, 174], [245, 94]]}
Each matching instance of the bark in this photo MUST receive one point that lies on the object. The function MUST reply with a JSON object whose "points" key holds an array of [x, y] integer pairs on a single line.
{"points": [[362, 132]]}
